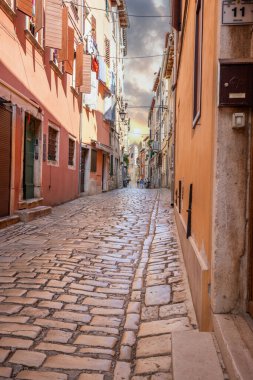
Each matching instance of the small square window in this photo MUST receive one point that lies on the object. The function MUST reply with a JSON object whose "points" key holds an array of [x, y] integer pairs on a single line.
{"points": [[71, 160]]}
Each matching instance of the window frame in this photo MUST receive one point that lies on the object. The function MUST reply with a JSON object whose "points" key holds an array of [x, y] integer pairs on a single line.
{"points": [[197, 78], [57, 129], [72, 166]]}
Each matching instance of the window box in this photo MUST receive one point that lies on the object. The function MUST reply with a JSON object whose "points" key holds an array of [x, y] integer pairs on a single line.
{"points": [[8, 7]]}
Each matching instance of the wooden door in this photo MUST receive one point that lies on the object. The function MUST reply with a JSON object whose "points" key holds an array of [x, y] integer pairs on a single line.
{"points": [[28, 177], [5, 161], [250, 272], [83, 161]]}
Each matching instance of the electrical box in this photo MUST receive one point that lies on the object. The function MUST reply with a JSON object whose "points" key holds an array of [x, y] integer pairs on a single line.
{"points": [[236, 85]]}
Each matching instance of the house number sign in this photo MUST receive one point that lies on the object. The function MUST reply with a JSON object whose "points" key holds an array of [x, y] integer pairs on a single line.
{"points": [[237, 12]]}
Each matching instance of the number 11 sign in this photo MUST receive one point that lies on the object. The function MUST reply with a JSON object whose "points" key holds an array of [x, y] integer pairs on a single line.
{"points": [[237, 12]]}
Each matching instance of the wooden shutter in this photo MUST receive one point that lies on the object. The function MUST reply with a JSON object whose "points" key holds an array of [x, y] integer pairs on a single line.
{"points": [[176, 6], [79, 65], [39, 15], [25, 6], [86, 72], [63, 53], [53, 24], [94, 28], [68, 65]]}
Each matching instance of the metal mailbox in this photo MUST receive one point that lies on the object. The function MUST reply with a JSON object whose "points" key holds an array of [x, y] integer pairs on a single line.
{"points": [[236, 85]]}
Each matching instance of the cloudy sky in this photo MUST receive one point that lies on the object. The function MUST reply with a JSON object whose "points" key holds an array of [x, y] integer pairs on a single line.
{"points": [[146, 36]]}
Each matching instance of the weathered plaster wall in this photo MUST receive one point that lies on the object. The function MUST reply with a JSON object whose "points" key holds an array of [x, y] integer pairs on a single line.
{"points": [[229, 290]]}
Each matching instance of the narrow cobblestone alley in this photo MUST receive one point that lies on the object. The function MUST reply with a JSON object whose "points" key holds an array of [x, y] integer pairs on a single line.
{"points": [[93, 291]]}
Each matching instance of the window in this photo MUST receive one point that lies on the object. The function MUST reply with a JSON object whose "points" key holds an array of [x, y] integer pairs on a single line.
{"points": [[71, 161], [54, 59], [74, 7], [93, 162], [197, 62], [107, 52], [53, 143]]}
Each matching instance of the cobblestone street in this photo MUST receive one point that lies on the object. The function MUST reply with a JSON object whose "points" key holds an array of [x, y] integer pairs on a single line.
{"points": [[93, 291]]}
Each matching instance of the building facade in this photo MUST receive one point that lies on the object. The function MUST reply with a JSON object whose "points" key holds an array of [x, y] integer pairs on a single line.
{"points": [[46, 125], [213, 155]]}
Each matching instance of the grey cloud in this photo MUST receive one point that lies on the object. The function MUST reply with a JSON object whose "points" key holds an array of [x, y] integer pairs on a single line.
{"points": [[146, 36]]}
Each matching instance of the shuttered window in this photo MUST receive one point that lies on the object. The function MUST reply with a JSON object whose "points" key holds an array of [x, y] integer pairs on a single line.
{"points": [[63, 53], [107, 52], [53, 24], [39, 15], [69, 64], [93, 162], [25, 6], [83, 70], [52, 154], [71, 160]]}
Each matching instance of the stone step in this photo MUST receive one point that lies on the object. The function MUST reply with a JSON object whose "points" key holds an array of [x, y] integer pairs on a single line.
{"points": [[234, 334], [194, 356], [8, 221], [29, 214], [30, 203]]}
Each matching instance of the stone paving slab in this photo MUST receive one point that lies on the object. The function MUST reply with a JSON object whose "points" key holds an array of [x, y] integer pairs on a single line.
{"points": [[93, 291]]}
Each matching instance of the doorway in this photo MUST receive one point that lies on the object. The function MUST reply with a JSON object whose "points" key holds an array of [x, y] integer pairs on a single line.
{"points": [[104, 174], [84, 159], [29, 156], [5, 160]]}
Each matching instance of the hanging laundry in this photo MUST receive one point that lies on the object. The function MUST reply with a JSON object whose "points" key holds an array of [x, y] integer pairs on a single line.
{"points": [[95, 65], [108, 78], [113, 83], [91, 100], [102, 70]]}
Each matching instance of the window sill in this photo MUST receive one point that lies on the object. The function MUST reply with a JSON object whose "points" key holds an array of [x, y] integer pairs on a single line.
{"points": [[71, 167], [74, 91], [53, 163], [34, 42], [56, 69], [7, 9]]}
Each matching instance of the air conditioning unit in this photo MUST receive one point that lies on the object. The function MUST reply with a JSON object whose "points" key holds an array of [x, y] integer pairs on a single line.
{"points": [[155, 146]]}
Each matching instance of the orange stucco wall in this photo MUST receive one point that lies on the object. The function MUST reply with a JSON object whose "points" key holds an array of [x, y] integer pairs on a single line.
{"points": [[26, 70], [194, 150]]}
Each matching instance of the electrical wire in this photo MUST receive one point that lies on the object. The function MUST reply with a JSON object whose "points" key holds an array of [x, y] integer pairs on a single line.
{"points": [[137, 57], [118, 12]]}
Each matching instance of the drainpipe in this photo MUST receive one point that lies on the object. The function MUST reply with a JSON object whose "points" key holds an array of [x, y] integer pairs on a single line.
{"points": [[81, 112]]}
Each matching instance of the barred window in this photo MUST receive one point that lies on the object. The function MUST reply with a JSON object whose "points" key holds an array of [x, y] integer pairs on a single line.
{"points": [[52, 144], [71, 152], [93, 161]]}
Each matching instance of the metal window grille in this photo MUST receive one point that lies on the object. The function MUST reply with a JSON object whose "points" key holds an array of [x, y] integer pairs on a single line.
{"points": [[93, 162], [71, 152], [52, 144]]}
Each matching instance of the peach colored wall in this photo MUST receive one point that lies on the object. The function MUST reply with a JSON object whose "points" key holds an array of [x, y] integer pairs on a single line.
{"points": [[194, 147], [28, 71]]}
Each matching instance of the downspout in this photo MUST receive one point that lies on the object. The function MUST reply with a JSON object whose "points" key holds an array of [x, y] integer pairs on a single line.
{"points": [[81, 112]]}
